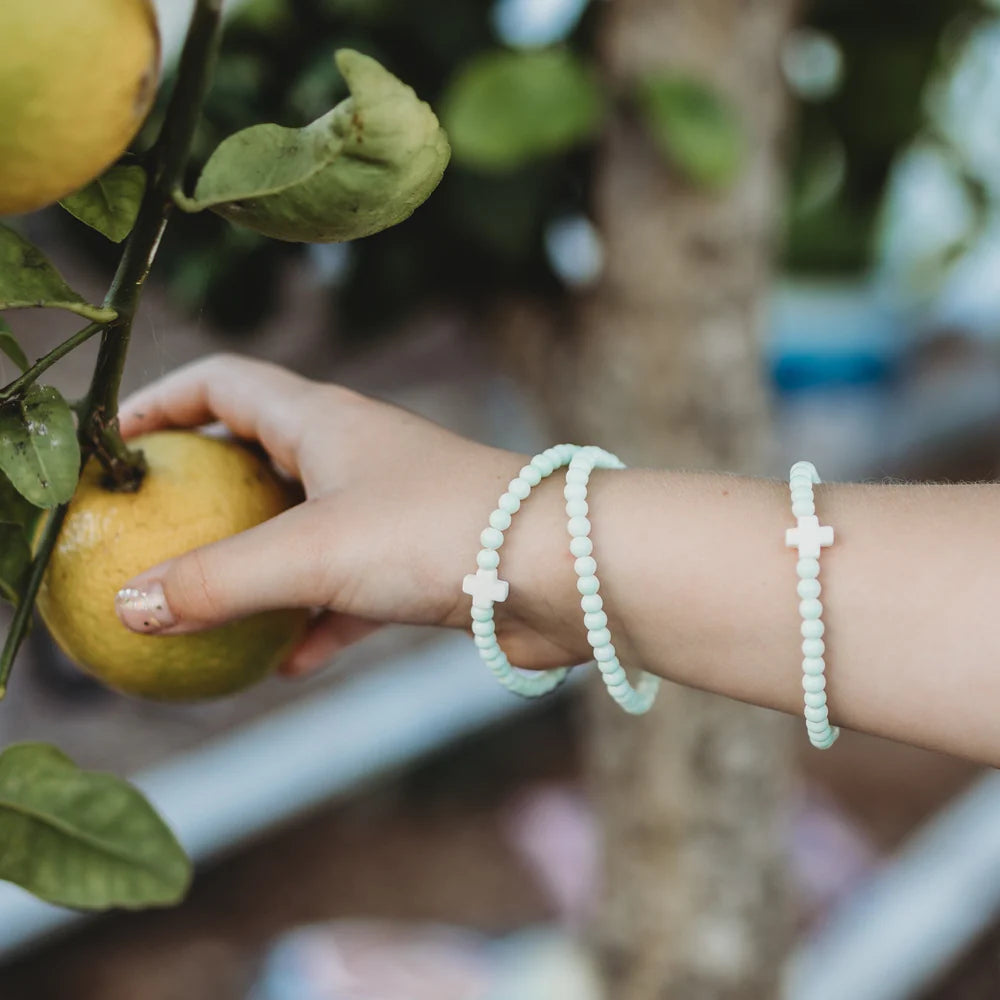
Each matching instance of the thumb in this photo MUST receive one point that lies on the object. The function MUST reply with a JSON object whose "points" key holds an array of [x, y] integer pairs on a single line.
{"points": [[276, 564]]}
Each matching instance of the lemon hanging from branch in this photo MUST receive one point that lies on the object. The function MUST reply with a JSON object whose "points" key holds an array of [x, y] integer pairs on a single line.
{"points": [[196, 490], [77, 78]]}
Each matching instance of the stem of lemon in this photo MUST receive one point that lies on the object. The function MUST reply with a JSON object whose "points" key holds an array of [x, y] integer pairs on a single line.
{"points": [[98, 428]]}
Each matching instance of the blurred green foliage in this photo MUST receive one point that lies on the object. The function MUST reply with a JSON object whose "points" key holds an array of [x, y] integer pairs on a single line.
{"points": [[890, 50], [524, 124]]}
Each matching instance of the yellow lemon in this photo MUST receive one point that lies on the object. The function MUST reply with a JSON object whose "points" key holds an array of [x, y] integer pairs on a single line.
{"points": [[77, 78], [196, 490]]}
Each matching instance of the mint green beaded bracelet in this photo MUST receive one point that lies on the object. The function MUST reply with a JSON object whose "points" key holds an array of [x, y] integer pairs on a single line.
{"points": [[485, 587], [635, 701], [810, 538]]}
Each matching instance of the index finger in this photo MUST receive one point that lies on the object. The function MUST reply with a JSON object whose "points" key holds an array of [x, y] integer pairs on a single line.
{"points": [[253, 399]]}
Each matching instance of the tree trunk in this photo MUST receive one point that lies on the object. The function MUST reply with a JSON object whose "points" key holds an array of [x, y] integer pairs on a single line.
{"points": [[662, 363]]}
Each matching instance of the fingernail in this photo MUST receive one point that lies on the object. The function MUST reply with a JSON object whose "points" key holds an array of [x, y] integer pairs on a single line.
{"points": [[144, 610]]}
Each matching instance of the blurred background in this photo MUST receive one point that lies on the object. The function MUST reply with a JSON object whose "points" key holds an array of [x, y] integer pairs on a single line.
{"points": [[703, 233]]}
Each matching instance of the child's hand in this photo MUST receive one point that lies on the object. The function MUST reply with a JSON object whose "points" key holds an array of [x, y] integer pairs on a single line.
{"points": [[391, 523]]}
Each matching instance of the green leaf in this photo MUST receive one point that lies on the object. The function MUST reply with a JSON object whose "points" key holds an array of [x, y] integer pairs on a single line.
{"points": [[83, 838], [10, 346], [27, 279], [38, 447], [15, 561], [110, 203], [362, 167], [504, 109], [696, 129]]}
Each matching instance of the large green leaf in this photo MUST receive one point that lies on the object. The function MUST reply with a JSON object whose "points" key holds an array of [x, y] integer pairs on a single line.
{"points": [[110, 203], [505, 109], [697, 130], [81, 838], [10, 346], [362, 167], [15, 561], [27, 278], [39, 451]]}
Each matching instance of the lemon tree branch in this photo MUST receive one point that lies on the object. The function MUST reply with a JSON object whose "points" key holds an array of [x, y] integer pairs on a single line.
{"points": [[167, 162], [98, 426]]}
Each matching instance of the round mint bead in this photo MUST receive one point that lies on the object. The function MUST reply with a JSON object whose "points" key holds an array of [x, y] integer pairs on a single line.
{"points": [[483, 628], [585, 566], [819, 714], [803, 508], [500, 519], [577, 473], [588, 585], [813, 647], [482, 614], [605, 654], [809, 608], [599, 637], [577, 508], [813, 682], [594, 620], [488, 559], [581, 546], [517, 487], [592, 602], [578, 526], [545, 465], [808, 588], [491, 538], [807, 568], [575, 491], [813, 665], [530, 475], [813, 628], [509, 503], [813, 699]]}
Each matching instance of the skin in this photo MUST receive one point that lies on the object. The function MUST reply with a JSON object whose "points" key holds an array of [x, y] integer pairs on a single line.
{"points": [[698, 584]]}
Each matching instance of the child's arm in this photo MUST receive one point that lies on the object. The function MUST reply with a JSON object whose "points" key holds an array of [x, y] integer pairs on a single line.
{"points": [[696, 579]]}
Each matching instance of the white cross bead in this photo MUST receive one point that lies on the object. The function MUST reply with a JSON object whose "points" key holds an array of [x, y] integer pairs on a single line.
{"points": [[809, 536], [484, 588]]}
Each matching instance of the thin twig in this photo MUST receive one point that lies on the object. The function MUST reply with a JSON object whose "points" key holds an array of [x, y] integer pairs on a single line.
{"points": [[30, 375], [22, 615]]}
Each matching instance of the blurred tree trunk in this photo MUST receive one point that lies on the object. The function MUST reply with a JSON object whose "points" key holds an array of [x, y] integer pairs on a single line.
{"points": [[662, 362]]}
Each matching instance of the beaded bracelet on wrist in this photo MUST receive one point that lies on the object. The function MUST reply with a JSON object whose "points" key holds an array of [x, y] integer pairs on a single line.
{"points": [[635, 701], [485, 587], [810, 538]]}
